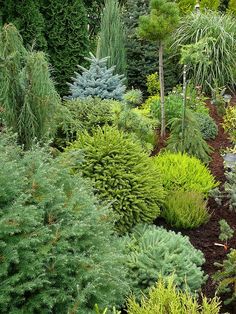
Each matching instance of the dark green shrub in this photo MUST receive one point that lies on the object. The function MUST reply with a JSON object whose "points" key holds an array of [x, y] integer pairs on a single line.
{"points": [[185, 209], [122, 175], [191, 142], [207, 126], [182, 172], [58, 251], [155, 252]]}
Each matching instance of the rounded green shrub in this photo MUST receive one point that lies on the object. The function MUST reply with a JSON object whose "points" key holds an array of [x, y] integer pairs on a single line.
{"points": [[185, 209], [207, 126], [133, 97], [155, 252], [182, 172], [58, 253], [122, 174]]}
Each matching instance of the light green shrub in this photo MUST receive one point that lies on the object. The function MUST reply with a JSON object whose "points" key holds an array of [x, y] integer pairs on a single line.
{"points": [[133, 97], [185, 209], [165, 298], [182, 172], [122, 174], [207, 126], [155, 252]]}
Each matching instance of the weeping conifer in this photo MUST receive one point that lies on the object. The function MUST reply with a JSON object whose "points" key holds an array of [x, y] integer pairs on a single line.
{"points": [[112, 37]]}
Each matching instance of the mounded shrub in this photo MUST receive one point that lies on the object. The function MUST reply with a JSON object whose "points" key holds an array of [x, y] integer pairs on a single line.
{"points": [[182, 172], [207, 126], [58, 251], [122, 174], [185, 209], [155, 252]]}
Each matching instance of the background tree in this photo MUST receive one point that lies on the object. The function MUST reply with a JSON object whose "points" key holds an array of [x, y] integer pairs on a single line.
{"points": [[232, 7], [210, 4], [186, 6], [67, 36], [161, 22], [112, 37]]}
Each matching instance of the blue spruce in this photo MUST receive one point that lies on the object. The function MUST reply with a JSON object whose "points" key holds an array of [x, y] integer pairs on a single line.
{"points": [[97, 81]]}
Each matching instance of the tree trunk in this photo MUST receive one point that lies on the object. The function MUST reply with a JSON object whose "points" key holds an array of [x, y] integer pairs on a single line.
{"points": [[162, 90], [184, 107]]}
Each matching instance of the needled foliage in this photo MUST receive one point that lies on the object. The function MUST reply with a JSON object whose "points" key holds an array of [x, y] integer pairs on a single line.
{"points": [[207, 125], [97, 81], [219, 33], [232, 7], [122, 175], [186, 6], [185, 209], [226, 276], [182, 172], [58, 252], [166, 298], [156, 252], [209, 5], [27, 93], [133, 97], [112, 37], [67, 37], [229, 123], [27, 17], [191, 142]]}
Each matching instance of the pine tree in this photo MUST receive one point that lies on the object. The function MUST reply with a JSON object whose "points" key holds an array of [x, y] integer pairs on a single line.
{"points": [[67, 37], [112, 37], [98, 81], [232, 7], [210, 4], [27, 94], [156, 27], [28, 19]]}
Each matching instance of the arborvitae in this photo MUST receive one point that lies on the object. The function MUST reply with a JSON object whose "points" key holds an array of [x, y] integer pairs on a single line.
{"points": [[27, 17], [112, 37], [67, 37], [27, 94], [210, 4], [98, 81]]}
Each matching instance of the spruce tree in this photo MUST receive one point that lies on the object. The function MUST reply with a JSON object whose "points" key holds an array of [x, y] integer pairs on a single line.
{"points": [[112, 37], [27, 94], [67, 37], [28, 19], [156, 27]]}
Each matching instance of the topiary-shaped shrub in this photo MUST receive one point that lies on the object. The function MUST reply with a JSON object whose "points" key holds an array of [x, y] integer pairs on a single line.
{"points": [[207, 126], [155, 252], [58, 253], [182, 172], [97, 81], [185, 209], [165, 298], [122, 174]]}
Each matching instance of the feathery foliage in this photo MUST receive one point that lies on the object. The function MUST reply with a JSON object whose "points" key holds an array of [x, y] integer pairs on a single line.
{"points": [[209, 5], [232, 7], [206, 125]]}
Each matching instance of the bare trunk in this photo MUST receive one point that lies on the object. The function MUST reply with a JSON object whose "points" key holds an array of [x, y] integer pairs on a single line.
{"points": [[184, 106], [162, 90]]}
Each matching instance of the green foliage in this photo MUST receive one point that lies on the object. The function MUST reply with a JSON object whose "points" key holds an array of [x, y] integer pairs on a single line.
{"points": [[226, 276], [165, 298], [185, 209], [193, 143], [153, 84], [186, 6], [97, 81], [156, 252], [226, 232], [133, 97], [182, 172], [27, 93], [209, 5], [58, 251], [122, 175], [112, 37], [232, 7], [67, 37], [229, 123], [220, 30], [207, 126]]}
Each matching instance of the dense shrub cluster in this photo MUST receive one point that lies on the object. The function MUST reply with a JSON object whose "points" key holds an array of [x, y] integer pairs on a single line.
{"points": [[207, 126]]}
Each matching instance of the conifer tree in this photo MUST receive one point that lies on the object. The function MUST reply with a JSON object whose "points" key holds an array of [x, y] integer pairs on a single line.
{"points": [[210, 4], [112, 37], [157, 26], [27, 94], [67, 37], [232, 7], [186, 6]]}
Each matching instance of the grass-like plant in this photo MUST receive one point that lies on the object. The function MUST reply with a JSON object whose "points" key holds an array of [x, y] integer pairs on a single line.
{"points": [[220, 33], [185, 209]]}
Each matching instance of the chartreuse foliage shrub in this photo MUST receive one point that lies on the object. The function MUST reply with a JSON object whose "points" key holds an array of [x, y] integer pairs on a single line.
{"points": [[165, 298], [155, 252], [182, 172], [58, 251], [229, 123], [122, 174], [185, 209], [226, 276], [97, 81], [207, 126], [133, 97]]}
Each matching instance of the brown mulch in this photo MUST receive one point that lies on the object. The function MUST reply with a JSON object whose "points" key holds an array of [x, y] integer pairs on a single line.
{"points": [[205, 237]]}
